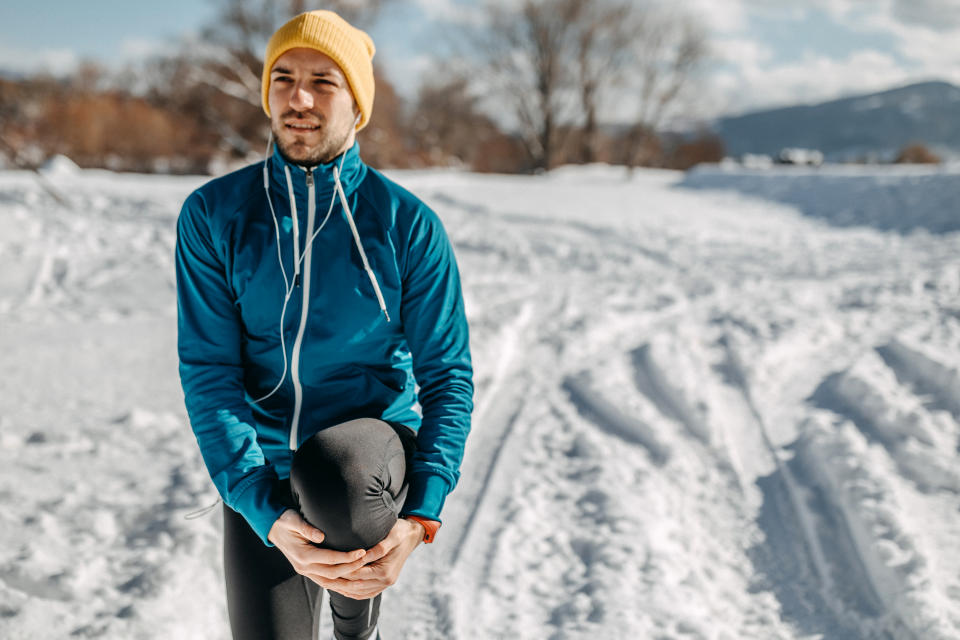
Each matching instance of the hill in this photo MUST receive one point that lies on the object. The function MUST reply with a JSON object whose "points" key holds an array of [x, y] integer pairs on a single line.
{"points": [[866, 126]]}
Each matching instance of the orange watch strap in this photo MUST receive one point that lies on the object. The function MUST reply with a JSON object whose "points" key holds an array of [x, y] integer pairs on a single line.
{"points": [[429, 527]]}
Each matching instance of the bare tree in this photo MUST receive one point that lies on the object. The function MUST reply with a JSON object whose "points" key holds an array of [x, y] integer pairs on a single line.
{"points": [[603, 54], [527, 54], [555, 62], [668, 50], [384, 140], [447, 125]]}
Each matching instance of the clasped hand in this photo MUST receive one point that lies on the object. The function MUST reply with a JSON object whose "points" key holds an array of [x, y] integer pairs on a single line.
{"points": [[359, 574]]}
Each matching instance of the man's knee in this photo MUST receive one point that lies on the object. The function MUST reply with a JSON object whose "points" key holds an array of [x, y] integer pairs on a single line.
{"points": [[347, 480]]}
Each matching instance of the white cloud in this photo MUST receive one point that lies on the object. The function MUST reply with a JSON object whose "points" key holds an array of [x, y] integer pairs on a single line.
{"points": [[923, 44], [930, 26], [54, 61], [926, 45], [841, 10], [451, 11], [62, 62], [724, 18], [740, 51], [138, 49], [940, 15], [814, 79]]}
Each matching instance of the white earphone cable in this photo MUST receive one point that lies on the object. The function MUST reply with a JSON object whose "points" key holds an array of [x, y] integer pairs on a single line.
{"points": [[288, 286]]}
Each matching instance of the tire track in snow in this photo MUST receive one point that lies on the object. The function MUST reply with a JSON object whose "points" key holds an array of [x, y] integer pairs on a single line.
{"points": [[720, 438], [928, 375], [497, 423], [502, 416], [493, 420], [920, 443], [794, 493], [443, 607], [837, 575], [610, 418], [667, 399]]}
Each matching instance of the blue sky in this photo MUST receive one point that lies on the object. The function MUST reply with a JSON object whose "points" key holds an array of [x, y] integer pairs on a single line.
{"points": [[58, 33], [765, 52]]}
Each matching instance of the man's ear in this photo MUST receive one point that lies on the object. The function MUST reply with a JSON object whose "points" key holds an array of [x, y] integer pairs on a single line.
{"points": [[358, 115]]}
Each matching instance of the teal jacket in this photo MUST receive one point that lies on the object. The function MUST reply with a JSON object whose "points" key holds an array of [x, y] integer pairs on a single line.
{"points": [[256, 390]]}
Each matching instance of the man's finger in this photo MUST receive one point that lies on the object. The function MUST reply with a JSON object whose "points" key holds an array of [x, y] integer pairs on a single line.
{"points": [[334, 571], [326, 562], [340, 586], [316, 555], [365, 572], [378, 551], [311, 533]]}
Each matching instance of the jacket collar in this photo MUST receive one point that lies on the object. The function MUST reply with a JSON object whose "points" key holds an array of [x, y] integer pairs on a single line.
{"points": [[351, 173]]}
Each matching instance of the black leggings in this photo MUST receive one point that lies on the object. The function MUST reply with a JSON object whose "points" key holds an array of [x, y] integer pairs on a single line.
{"points": [[349, 481]]}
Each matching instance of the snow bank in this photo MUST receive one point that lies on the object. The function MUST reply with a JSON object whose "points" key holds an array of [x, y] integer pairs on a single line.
{"points": [[898, 199], [59, 166]]}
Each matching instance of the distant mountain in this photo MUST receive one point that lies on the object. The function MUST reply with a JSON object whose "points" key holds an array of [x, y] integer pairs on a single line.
{"points": [[877, 124]]}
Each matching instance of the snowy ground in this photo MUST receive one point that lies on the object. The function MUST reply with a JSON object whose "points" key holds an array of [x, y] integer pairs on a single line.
{"points": [[700, 412]]}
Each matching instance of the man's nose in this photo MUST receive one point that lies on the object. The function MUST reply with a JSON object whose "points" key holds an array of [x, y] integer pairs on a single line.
{"points": [[301, 99]]}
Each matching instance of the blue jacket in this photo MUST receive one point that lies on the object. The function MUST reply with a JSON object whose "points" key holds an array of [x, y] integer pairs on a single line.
{"points": [[346, 358]]}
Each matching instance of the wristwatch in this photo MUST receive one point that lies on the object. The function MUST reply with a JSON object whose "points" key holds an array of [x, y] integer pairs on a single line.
{"points": [[429, 527]]}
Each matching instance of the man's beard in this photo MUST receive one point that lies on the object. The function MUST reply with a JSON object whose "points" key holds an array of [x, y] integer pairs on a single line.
{"points": [[329, 147]]}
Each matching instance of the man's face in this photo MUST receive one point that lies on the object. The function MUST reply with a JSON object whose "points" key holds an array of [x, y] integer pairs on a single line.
{"points": [[312, 111]]}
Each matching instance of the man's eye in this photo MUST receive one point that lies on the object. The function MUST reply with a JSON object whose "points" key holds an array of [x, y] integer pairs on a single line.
{"points": [[282, 79]]}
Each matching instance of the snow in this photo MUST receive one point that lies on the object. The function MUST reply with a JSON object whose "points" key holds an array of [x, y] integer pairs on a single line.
{"points": [[900, 198], [713, 405], [59, 166]]}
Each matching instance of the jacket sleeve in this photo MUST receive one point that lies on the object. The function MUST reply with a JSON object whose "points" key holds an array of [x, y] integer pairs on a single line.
{"points": [[435, 325], [209, 343]]}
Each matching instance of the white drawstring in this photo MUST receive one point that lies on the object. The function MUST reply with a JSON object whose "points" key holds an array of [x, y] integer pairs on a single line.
{"points": [[202, 511], [288, 285], [356, 239]]}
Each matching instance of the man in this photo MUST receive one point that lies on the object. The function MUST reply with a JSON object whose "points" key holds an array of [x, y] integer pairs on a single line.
{"points": [[323, 351]]}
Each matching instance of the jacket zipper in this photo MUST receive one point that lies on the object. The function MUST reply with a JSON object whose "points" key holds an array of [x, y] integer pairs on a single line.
{"points": [[305, 289]]}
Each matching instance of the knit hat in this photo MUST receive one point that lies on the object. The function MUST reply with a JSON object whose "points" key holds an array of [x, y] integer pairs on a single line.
{"points": [[328, 33]]}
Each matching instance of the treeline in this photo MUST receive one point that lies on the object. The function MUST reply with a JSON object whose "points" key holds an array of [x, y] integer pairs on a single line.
{"points": [[548, 70]]}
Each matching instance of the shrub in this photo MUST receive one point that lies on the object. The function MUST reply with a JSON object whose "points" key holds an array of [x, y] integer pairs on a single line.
{"points": [[917, 153]]}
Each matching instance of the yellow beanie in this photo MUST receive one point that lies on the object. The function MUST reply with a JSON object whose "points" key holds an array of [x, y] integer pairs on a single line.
{"points": [[328, 33]]}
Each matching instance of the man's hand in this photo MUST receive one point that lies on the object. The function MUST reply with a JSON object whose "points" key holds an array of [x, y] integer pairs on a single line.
{"points": [[382, 564], [295, 538]]}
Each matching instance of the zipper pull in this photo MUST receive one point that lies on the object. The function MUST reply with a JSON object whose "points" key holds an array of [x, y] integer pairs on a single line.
{"points": [[310, 177]]}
